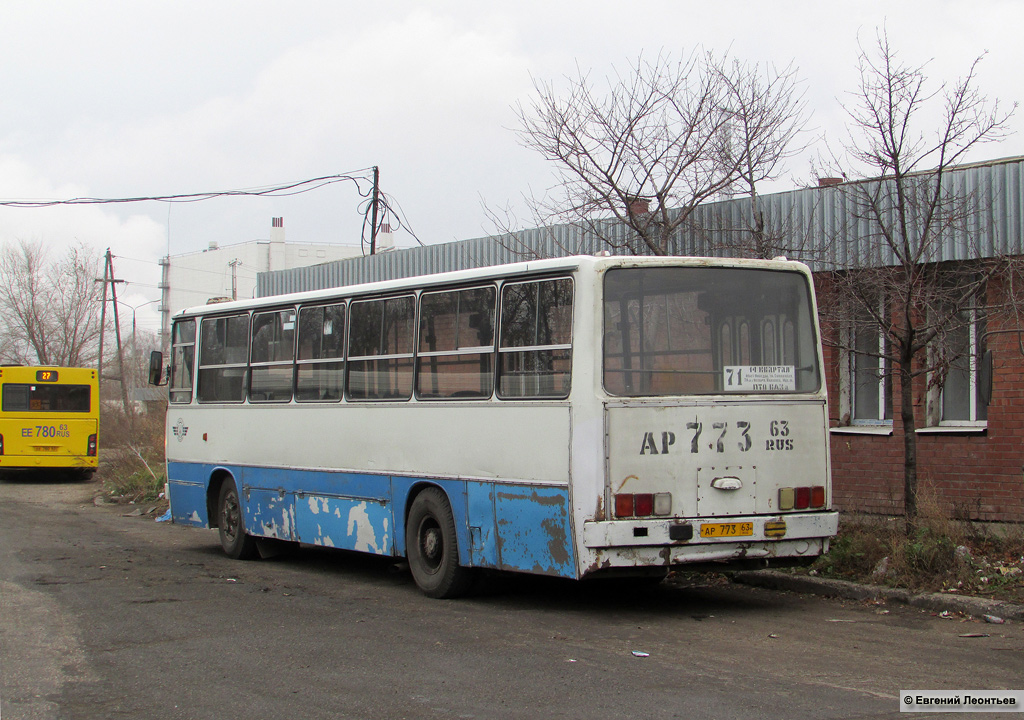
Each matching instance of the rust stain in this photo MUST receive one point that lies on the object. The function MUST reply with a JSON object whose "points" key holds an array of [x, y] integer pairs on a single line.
{"points": [[558, 544], [626, 480], [598, 564], [532, 496]]}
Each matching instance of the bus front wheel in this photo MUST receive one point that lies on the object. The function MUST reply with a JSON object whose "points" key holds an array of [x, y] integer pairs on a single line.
{"points": [[237, 543], [432, 547]]}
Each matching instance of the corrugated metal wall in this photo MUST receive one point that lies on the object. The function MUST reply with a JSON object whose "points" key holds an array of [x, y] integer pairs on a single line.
{"points": [[822, 226]]}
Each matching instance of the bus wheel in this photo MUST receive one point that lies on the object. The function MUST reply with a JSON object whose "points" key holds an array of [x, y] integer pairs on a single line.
{"points": [[237, 543], [432, 547]]}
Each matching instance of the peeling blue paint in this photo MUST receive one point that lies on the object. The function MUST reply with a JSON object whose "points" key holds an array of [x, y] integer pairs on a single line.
{"points": [[269, 513], [505, 526], [351, 524], [534, 530], [483, 545], [188, 501]]}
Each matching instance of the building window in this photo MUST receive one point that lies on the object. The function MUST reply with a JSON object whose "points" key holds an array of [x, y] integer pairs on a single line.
{"points": [[963, 391], [865, 374], [871, 381]]}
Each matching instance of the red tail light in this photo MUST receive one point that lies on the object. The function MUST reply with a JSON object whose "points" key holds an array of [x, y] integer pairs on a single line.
{"points": [[802, 498], [642, 504], [91, 451], [624, 505], [818, 496]]}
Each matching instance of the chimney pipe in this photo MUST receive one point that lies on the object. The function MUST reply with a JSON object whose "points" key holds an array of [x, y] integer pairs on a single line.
{"points": [[638, 206]]}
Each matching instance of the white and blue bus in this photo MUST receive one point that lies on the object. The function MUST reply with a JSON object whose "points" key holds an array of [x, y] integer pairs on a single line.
{"points": [[573, 417]]}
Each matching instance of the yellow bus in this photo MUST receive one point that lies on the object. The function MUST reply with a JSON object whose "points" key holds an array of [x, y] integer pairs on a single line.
{"points": [[49, 419]]}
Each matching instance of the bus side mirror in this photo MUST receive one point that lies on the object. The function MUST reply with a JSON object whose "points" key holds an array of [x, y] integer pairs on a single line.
{"points": [[156, 367]]}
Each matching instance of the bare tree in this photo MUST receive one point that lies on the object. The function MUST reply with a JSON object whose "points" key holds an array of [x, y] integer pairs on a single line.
{"points": [[661, 140], [767, 114], [49, 311], [896, 283]]}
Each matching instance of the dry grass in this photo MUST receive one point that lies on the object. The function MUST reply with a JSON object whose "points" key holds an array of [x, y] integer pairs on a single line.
{"points": [[941, 553], [132, 456]]}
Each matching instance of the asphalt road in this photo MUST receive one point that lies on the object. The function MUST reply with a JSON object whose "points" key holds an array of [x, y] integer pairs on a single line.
{"points": [[106, 616]]}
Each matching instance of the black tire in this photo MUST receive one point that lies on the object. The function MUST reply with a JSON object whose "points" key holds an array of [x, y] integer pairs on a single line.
{"points": [[433, 548], [237, 543]]}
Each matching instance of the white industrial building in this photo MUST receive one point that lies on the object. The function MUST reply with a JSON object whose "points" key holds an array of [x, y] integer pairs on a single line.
{"points": [[230, 271]]}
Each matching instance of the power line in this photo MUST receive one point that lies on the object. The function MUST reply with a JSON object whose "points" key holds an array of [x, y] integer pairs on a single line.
{"points": [[284, 190], [392, 215], [383, 208]]}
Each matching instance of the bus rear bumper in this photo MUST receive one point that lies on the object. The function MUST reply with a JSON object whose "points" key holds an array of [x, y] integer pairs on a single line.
{"points": [[783, 538], [41, 462]]}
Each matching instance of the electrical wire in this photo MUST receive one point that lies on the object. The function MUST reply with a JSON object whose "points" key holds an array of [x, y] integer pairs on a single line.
{"points": [[283, 190], [390, 212], [387, 215]]}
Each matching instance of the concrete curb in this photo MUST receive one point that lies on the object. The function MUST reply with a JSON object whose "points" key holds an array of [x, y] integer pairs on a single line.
{"points": [[775, 580]]}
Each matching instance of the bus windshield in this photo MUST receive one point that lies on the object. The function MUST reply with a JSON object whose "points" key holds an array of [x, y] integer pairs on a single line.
{"points": [[707, 330], [24, 397]]}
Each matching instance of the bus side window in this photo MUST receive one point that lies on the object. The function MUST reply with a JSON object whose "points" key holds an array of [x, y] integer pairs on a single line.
{"points": [[273, 351], [183, 352], [535, 350], [456, 353], [223, 354], [321, 363], [380, 353]]}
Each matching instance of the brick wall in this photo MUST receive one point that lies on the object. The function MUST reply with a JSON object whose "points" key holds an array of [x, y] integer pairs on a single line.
{"points": [[979, 475]]}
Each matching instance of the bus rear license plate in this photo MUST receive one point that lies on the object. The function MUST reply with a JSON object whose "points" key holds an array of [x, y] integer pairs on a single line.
{"points": [[715, 530]]}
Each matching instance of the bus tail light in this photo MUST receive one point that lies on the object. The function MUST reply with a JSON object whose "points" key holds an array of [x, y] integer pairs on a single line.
{"points": [[642, 504], [91, 452], [818, 496], [802, 498], [1, 444]]}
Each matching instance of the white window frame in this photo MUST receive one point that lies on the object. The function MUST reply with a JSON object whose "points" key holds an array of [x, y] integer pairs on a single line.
{"points": [[848, 387], [934, 399]]}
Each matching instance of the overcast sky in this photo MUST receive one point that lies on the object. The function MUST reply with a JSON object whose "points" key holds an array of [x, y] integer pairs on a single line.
{"points": [[125, 99]]}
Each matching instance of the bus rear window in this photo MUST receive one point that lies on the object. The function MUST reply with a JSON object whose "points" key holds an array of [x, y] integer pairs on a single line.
{"points": [[691, 331], [18, 397]]}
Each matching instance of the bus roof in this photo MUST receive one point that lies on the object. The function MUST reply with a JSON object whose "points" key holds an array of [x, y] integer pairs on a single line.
{"points": [[490, 272]]}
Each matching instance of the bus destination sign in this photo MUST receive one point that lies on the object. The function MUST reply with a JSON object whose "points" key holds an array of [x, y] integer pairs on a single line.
{"points": [[759, 378]]}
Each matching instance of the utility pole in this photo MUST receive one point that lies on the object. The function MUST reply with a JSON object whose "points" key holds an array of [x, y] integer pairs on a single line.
{"points": [[108, 278], [375, 202], [234, 277], [103, 319]]}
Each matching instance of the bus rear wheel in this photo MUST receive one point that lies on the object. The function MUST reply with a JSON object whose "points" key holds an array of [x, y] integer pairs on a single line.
{"points": [[432, 547], [237, 543]]}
